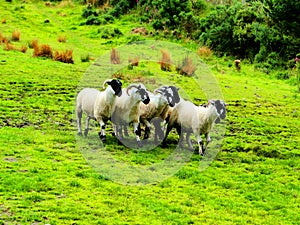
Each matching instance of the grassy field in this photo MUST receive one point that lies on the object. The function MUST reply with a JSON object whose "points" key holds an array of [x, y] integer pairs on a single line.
{"points": [[45, 177]]}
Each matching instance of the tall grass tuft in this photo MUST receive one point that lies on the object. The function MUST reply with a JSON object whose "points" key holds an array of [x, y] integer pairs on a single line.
{"points": [[3, 39], [43, 50], [134, 61], [204, 52], [85, 58], [165, 62], [8, 47], [64, 56], [115, 57], [62, 39], [15, 35], [186, 67], [23, 48], [33, 44]]}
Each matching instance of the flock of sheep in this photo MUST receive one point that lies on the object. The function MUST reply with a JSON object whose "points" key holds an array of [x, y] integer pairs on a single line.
{"points": [[163, 108]]}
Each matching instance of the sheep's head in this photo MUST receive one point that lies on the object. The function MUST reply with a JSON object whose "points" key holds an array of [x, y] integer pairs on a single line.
{"points": [[116, 85], [171, 94], [221, 109], [142, 91]]}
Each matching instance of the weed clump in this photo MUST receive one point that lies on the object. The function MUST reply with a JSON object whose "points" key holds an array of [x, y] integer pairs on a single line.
{"points": [[33, 44], [64, 56], [85, 58], [23, 48], [115, 57], [62, 39], [16, 35], [186, 67], [8, 47], [43, 50], [3, 39], [204, 52], [165, 62], [134, 61]]}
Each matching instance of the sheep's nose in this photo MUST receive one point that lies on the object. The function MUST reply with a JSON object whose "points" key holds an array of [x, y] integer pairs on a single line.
{"points": [[146, 101], [119, 93]]}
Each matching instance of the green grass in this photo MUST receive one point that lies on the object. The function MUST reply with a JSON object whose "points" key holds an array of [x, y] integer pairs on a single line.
{"points": [[45, 179]]}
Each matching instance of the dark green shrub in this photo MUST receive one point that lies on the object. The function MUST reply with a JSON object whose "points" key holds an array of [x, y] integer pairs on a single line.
{"points": [[92, 20], [88, 11]]}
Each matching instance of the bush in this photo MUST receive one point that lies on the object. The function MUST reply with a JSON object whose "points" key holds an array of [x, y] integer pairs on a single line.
{"points": [[43, 50], [62, 39], [16, 35], [92, 20], [3, 39], [85, 58], [204, 51], [165, 62], [115, 57], [64, 56], [89, 10], [186, 67]]}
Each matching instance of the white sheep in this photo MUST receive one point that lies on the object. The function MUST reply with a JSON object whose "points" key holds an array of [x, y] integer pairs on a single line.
{"points": [[189, 118], [126, 109], [158, 108], [97, 105]]}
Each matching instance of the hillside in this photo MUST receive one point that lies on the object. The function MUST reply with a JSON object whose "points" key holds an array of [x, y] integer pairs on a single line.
{"points": [[48, 177]]}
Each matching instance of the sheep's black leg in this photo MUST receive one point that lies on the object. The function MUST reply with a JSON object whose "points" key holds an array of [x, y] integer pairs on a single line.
{"points": [[79, 116], [147, 132], [102, 132], [200, 144], [164, 142], [208, 140], [87, 122], [137, 134]]}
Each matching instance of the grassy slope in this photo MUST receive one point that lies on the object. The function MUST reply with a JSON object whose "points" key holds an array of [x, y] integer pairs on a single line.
{"points": [[45, 179]]}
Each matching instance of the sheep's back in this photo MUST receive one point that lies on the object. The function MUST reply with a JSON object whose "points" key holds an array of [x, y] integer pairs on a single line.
{"points": [[86, 100]]}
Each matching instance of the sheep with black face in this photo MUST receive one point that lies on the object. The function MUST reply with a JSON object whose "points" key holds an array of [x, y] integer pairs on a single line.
{"points": [[97, 105], [189, 118], [156, 111], [126, 109]]}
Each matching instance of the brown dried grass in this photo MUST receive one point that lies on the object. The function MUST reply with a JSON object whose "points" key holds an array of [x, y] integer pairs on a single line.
{"points": [[64, 56], [186, 68], [23, 48], [33, 44], [15, 36], [115, 57], [8, 47], [134, 61], [3, 39], [43, 50], [62, 39], [204, 51], [165, 62]]}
